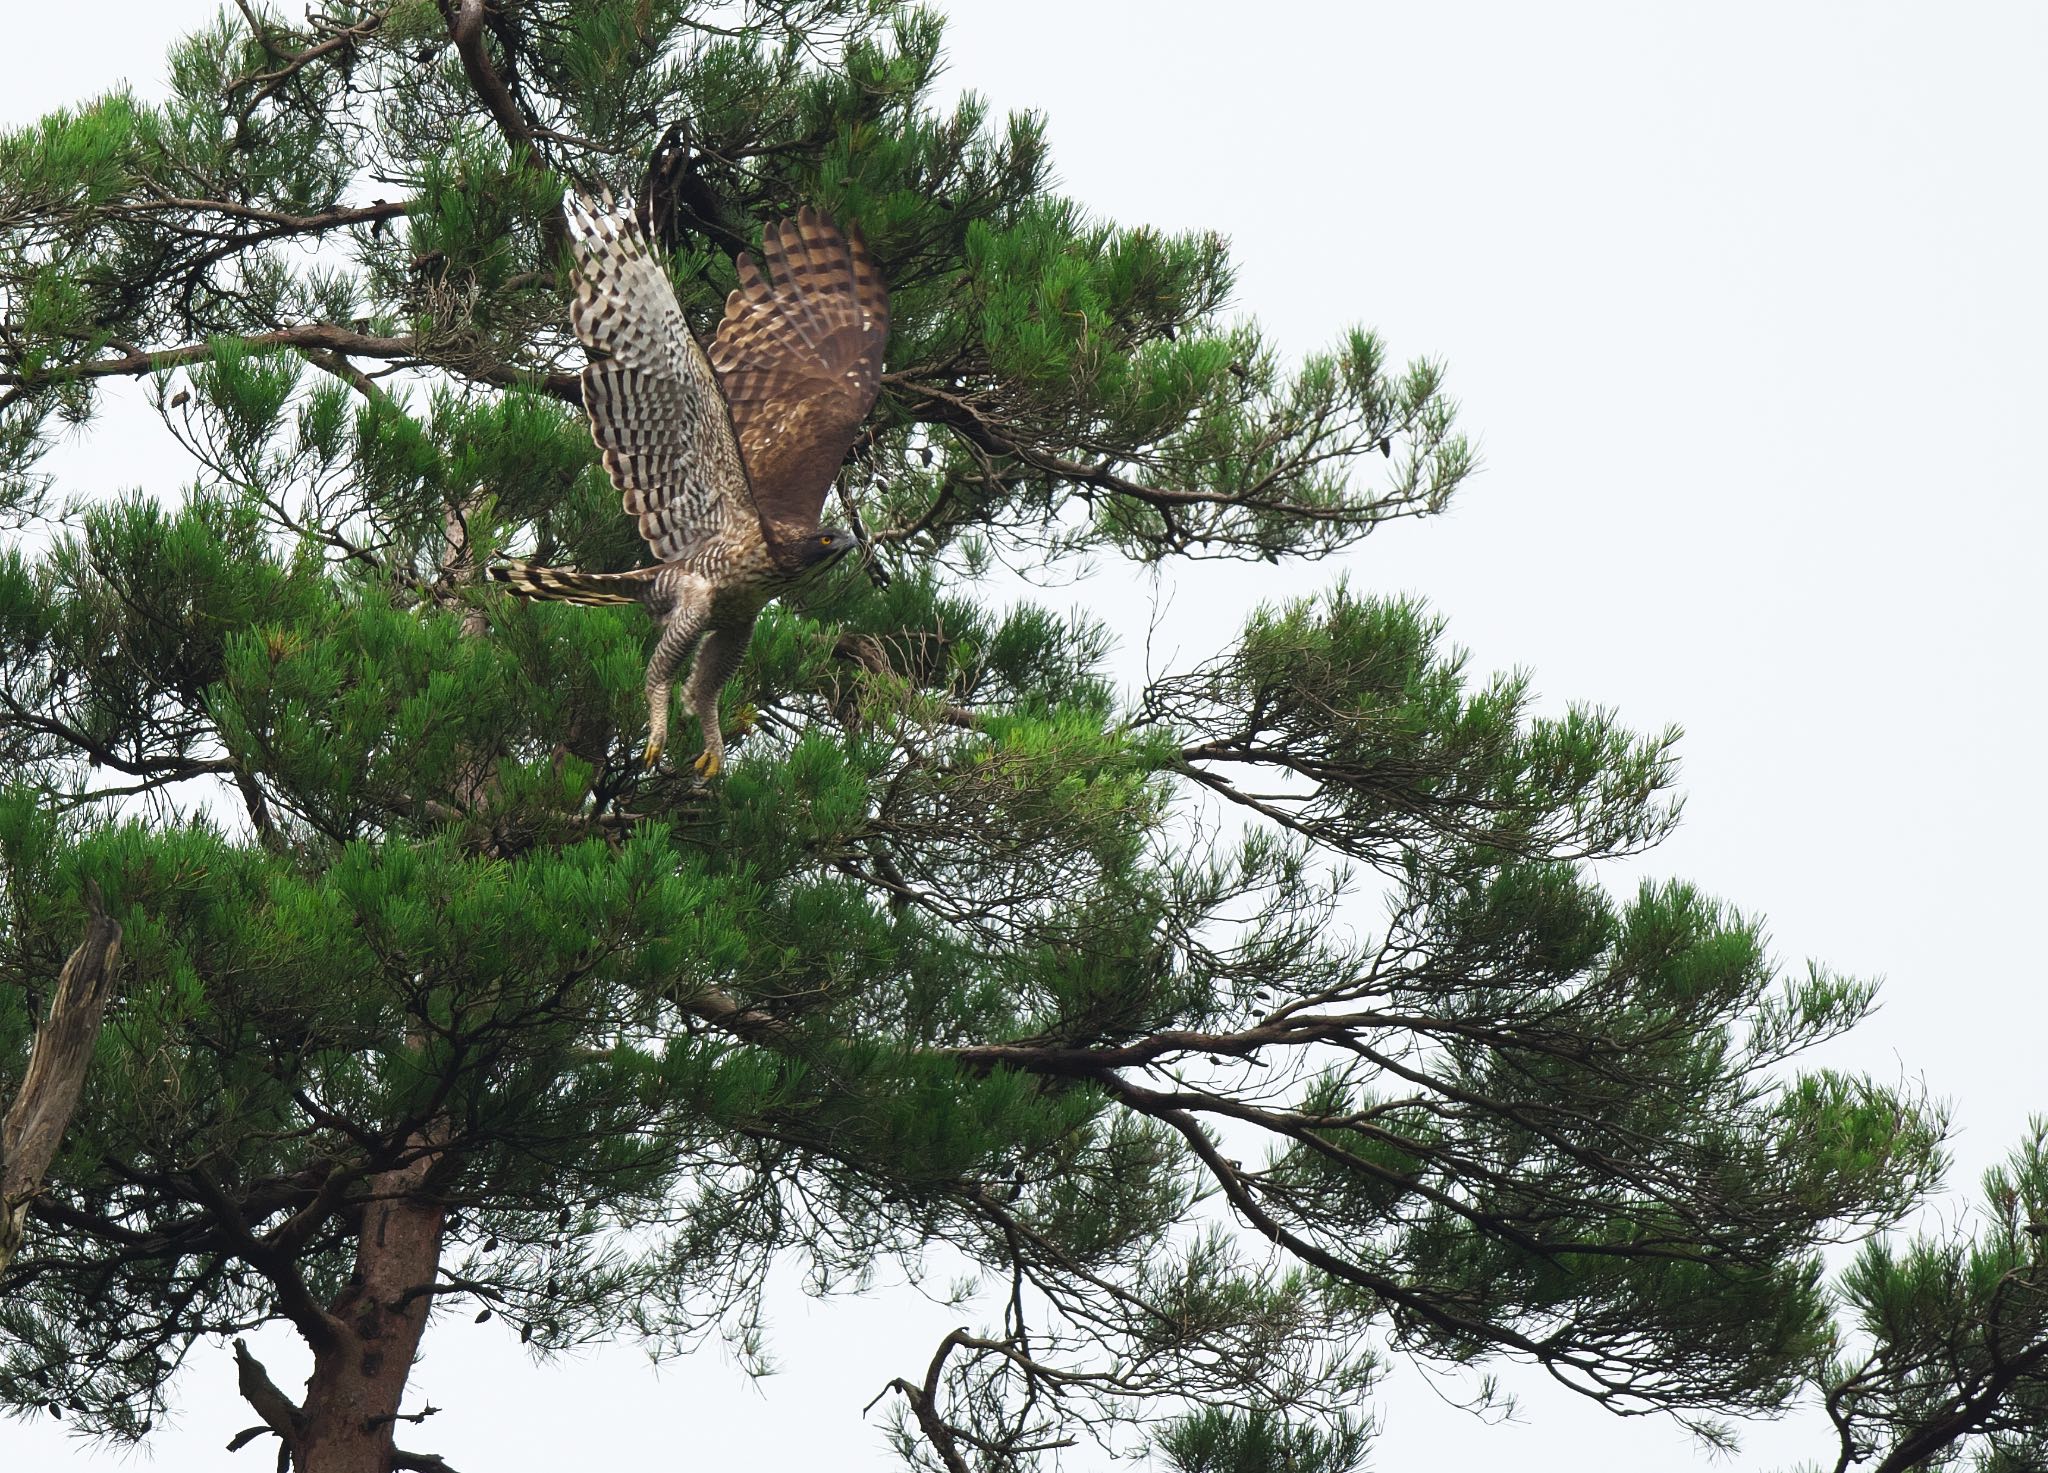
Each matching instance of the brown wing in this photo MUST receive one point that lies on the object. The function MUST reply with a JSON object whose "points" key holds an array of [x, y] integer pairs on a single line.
{"points": [[654, 404], [799, 356]]}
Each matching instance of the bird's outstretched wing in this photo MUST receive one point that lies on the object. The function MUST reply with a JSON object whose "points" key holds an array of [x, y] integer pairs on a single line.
{"points": [[799, 356], [654, 403]]}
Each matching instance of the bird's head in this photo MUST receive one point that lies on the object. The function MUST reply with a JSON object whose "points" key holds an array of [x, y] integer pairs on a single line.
{"points": [[824, 547]]}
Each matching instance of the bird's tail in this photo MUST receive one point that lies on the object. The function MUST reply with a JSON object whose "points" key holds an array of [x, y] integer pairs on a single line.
{"points": [[566, 585]]}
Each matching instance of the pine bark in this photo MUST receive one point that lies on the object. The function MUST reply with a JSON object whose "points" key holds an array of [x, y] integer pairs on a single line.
{"points": [[359, 1373]]}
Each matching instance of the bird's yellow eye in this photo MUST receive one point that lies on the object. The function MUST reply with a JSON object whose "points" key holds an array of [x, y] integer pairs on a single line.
{"points": [[824, 542]]}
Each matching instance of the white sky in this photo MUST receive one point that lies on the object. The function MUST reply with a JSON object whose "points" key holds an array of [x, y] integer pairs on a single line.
{"points": [[1742, 304]]}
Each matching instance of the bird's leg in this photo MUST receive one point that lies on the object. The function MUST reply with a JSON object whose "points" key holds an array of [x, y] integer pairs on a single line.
{"points": [[657, 723], [679, 635], [717, 658]]}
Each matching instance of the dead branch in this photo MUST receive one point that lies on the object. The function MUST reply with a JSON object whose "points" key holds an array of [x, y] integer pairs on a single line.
{"points": [[57, 1061]]}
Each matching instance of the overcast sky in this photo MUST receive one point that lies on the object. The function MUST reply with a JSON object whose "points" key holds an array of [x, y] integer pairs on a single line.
{"points": [[1744, 306]]}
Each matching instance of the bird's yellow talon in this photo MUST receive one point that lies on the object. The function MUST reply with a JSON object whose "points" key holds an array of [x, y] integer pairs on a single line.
{"points": [[707, 765], [651, 756]]}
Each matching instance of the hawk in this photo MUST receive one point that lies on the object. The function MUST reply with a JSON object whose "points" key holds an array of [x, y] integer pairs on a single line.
{"points": [[723, 457]]}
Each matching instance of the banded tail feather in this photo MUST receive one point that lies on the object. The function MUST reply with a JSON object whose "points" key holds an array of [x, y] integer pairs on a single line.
{"points": [[566, 585]]}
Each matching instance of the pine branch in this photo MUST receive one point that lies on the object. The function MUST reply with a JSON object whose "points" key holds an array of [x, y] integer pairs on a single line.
{"points": [[320, 337], [281, 1415], [165, 769], [960, 414], [272, 1259], [296, 62], [466, 27], [677, 198], [465, 20], [924, 1405], [419, 1462], [277, 224], [1963, 1416]]}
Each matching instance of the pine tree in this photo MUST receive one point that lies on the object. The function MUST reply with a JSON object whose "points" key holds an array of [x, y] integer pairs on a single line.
{"points": [[434, 1001], [1946, 1349]]}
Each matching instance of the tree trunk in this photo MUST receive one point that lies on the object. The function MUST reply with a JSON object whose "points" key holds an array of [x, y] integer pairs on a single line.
{"points": [[57, 1062], [352, 1400]]}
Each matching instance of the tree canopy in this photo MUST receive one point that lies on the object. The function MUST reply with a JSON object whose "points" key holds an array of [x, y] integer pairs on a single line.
{"points": [[1241, 1031]]}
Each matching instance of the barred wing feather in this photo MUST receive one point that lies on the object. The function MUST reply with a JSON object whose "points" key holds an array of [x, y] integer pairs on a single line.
{"points": [[654, 403], [799, 357]]}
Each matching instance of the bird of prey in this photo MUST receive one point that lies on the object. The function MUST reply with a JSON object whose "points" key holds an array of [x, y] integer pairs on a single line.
{"points": [[725, 457]]}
